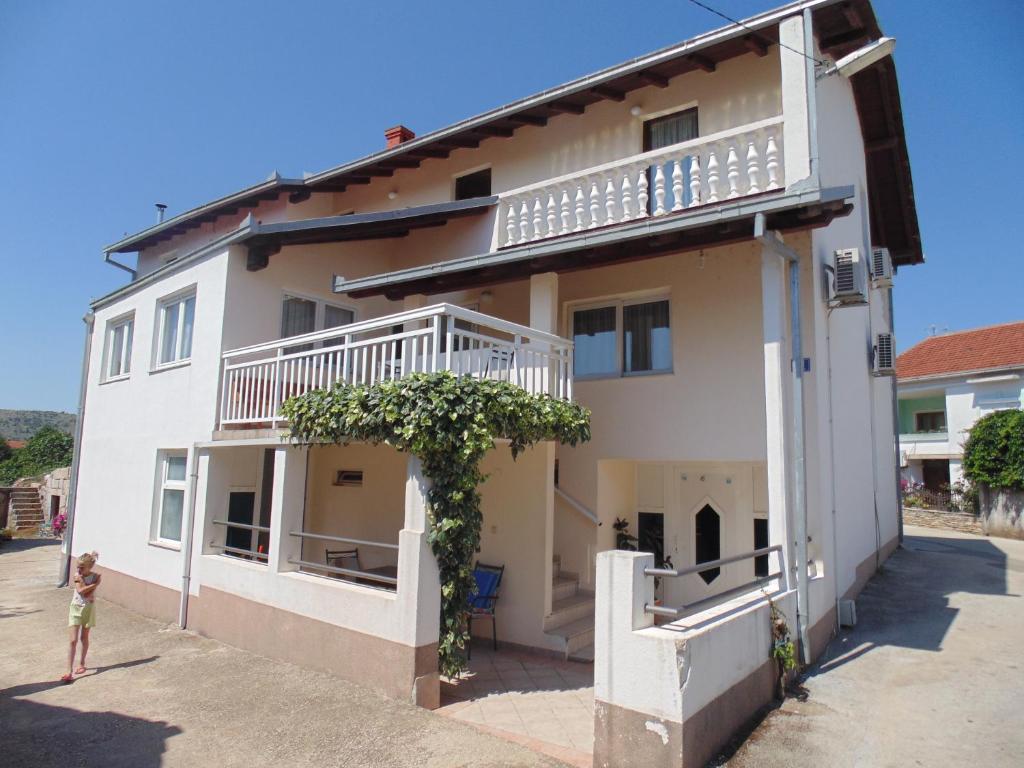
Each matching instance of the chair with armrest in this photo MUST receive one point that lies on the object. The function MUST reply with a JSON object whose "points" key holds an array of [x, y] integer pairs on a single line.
{"points": [[482, 602], [343, 558]]}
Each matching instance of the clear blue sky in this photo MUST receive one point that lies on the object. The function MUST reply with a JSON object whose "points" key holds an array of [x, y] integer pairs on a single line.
{"points": [[108, 107]]}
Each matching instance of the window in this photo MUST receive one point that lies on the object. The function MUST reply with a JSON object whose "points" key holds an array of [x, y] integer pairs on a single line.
{"points": [[301, 315], [118, 361], [643, 345], [476, 184], [170, 503], [930, 421], [177, 318], [709, 541], [760, 542], [665, 131]]}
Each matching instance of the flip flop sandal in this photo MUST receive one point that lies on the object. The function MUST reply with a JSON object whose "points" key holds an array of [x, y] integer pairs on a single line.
{"points": [[68, 678], [80, 671]]}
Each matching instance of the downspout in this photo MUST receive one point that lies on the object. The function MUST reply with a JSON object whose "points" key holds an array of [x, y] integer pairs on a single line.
{"points": [[812, 97], [896, 429], [186, 569], [76, 458], [125, 267], [772, 242]]}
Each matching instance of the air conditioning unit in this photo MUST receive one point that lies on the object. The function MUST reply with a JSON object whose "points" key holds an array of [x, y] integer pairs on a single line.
{"points": [[881, 268], [885, 362], [850, 284]]}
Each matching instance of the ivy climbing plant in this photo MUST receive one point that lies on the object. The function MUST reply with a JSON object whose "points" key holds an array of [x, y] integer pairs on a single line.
{"points": [[449, 423]]}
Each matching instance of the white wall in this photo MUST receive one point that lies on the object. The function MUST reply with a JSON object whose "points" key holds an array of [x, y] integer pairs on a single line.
{"points": [[127, 421]]}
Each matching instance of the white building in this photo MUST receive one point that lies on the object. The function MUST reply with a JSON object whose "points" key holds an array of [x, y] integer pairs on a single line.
{"points": [[945, 384], [618, 240]]}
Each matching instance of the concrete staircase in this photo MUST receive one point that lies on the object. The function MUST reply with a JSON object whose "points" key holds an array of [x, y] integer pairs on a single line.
{"points": [[26, 511], [571, 621]]}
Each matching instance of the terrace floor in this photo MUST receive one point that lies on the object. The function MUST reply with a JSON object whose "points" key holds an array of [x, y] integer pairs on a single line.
{"points": [[543, 703]]}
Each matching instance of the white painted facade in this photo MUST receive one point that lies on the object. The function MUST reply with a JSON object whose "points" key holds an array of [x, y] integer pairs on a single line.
{"points": [[714, 430], [962, 398]]}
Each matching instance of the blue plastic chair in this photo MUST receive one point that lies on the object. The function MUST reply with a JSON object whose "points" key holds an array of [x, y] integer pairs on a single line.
{"points": [[482, 602]]}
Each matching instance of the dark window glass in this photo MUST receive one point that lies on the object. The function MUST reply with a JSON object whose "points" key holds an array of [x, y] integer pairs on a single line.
{"points": [[241, 505], [473, 185], [664, 132], [646, 341], [593, 334], [760, 542], [266, 497], [930, 421], [709, 541]]}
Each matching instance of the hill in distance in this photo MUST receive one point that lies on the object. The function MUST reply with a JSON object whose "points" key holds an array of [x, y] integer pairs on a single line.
{"points": [[21, 425]]}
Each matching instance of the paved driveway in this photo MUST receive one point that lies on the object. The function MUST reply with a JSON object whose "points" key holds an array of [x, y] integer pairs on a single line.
{"points": [[933, 674], [161, 697]]}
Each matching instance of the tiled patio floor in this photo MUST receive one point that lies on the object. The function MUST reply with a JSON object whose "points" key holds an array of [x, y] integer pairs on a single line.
{"points": [[543, 703]]}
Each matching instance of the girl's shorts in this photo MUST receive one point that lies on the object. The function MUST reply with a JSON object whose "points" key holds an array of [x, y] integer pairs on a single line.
{"points": [[82, 616]]}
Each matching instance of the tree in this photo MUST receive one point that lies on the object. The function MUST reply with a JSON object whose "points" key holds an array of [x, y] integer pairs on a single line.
{"points": [[46, 450], [994, 450], [5, 450]]}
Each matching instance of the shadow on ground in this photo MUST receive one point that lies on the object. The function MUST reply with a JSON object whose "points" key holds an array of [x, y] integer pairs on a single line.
{"points": [[43, 736]]}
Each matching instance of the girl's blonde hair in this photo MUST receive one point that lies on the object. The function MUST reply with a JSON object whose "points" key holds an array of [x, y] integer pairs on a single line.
{"points": [[89, 558]]}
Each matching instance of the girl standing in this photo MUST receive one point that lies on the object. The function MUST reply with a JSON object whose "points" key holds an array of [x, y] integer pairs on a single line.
{"points": [[82, 615]]}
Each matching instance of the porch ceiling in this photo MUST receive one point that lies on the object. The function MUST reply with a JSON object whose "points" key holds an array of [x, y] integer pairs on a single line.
{"points": [[647, 239]]}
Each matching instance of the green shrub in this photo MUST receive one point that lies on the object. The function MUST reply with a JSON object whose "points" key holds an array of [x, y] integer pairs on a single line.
{"points": [[994, 451]]}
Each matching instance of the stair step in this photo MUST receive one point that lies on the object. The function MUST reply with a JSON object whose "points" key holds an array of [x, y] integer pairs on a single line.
{"points": [[584, 654], [576, 634], [569, 609], [563, 587]]}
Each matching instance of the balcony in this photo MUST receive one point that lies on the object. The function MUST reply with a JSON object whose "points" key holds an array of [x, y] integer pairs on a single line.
{"points": [[257, 379], [720, 167]]}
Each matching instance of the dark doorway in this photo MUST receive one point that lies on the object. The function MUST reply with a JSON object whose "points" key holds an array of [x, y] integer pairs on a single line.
{"points": [[651, 535], [664, 131], [241, 506], [936, 474], [760, 542], [709, 541], [54, 506]]}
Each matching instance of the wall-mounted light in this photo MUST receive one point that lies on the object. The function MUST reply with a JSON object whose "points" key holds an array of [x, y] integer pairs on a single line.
{"points": [[486, 297], [392, 194], [636, 110]]}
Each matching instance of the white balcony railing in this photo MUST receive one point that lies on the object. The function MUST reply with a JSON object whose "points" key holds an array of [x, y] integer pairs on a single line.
{"points": [[711, 169], [256, 380]]}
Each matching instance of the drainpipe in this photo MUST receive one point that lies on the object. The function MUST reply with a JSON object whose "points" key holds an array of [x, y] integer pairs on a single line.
{"points": [[812, 97], [772, 241], [76, 458], [126, 268], [186, 569], [896, 428]]}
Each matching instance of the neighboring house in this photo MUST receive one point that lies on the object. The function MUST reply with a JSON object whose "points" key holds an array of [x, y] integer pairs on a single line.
{"points": [[948, 382], [612, 240]]}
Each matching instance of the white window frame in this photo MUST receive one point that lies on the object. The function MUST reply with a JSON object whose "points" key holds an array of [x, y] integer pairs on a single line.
{"points": [[319, 314], [162, 484], [619, 302], [162, 306], [124, 355]]}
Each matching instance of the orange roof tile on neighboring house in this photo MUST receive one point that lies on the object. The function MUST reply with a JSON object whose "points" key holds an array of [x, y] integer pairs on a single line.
{"points": [[16, 444], [980, 349]]}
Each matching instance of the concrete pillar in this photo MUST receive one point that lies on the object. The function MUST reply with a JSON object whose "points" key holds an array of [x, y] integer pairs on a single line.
{"points": [[776, 395], [795, 126], [544, 302], [287, 506], [419, 588]]}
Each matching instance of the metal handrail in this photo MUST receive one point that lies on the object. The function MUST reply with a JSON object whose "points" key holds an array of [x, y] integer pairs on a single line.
{"points": [[260, 528], [717, 598], [342, 539], [344, 571], [247, 552], [707, 566]]}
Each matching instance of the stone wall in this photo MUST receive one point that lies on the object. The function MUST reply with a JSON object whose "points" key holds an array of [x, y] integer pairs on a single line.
{"points": [[934, 518], [55, 484]]}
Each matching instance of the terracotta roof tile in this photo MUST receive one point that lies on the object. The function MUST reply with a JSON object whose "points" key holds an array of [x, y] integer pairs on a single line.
{"points": [[998, 346]]}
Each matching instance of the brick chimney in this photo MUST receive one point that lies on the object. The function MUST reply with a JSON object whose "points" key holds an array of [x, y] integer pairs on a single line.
{"points": [[398, 135]]}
